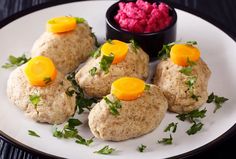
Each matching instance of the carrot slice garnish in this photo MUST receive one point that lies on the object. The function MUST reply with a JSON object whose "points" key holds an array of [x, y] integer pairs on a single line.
{"points": [[118, 48], [127, 88], [181, 53], [40, 71], [61, 24]]}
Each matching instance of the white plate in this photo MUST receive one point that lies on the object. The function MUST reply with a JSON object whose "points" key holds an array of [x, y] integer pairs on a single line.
{"points": [[217, 48]]}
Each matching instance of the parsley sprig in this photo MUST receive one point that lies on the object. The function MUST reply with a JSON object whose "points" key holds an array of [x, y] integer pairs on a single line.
{"points": [[172, 126], [141, 148], [113, 106], [217, 100], [15, 61], [33, 133], [93, 71], [164, 53], [166, 141], [193, 117], [134, 45], [82, 102], [34, 99], [79, 20], [106, 62], [69, 131], [105, 150]]}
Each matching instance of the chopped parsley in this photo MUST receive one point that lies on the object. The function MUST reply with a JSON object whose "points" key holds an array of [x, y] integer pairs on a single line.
{"points": [[141, 148], [79, 20], [166, 141], [217, 100], [34, 99], [134, 45], [105, 150], [109, 41], [147, 87], [33, 133], [106, 62], [194, 128], [95, 54], [188, 70], [82, 103], [164, 53], [93, 71], [70, 91], [192, 116], [172, 126], [47, 80], [15, 61], [69, 131], [113, 106], [191, 43]]}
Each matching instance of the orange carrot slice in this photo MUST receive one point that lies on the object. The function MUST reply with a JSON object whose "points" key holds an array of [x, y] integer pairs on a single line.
{"points": [[180, 53], [61, 24], [40, 71], [118, 48], [127, 88]]}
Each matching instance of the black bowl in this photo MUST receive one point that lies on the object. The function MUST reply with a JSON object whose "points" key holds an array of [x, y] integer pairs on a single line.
{"points": [[149, 42]]}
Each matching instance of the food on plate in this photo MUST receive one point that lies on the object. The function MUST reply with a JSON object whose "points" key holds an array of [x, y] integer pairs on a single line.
{"points": [[68, 41], [118, 118], [183, 77], [143, 17], [40, 91], [112, 60]]}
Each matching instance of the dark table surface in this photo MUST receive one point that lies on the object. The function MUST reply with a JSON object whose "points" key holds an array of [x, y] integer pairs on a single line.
{"points": [[221, 11]]}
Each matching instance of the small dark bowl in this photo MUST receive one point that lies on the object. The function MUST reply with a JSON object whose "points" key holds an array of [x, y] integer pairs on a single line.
{"points": [[149, 42]]}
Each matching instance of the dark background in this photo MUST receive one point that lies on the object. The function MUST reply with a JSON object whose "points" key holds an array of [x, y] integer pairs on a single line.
{"points": [[223, 12]]}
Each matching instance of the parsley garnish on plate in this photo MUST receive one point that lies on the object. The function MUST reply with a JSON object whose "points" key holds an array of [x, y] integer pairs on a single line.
{"points": [[217, 100], [194, 128], [47, 80], [172, 126], [105, 150], [141, 148], [34, 99], [95, 54], [147, 87], [33, 133], [113, 106], [106, 62], [69, 131], [15, 61], [166, 141], [188, 70], [82, 102], [93, 71], [193, 115], [134, 45], [164, 53], [191, 43]]}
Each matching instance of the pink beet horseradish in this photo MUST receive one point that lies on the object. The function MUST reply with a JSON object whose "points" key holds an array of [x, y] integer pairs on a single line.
{"points": [[143, 17]]}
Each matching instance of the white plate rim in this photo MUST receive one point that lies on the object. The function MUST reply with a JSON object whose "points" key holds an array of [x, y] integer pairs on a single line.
{"points": [[229, 133]]}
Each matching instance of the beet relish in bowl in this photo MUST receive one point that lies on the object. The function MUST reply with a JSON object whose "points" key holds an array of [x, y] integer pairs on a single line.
{"points": [[150, 23]]}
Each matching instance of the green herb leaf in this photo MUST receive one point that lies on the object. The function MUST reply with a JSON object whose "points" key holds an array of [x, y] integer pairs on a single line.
{"points": [[33, 133], [81, 140], [166, 141], [69, 132], [186, 70], [105, 150], [191, 42], [217, 100], [113, 106], [168, 128], [147, 87], [71, 123], [95, 54], [93, 71], [106, 62], [134, 45], [194, 128], [57, 133], [193, 115], [79, 20], [34, 99], [15, 61], [211, 98], [47, 80], [142, 147], [164, 53], [109, 41], [82, 103]]}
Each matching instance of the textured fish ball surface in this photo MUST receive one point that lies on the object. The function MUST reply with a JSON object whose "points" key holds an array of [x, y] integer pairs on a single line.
{"points": [[54, 106], [173, 84], [136, 117]]}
